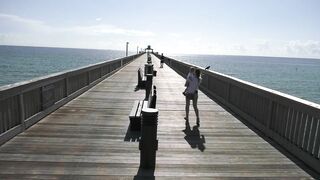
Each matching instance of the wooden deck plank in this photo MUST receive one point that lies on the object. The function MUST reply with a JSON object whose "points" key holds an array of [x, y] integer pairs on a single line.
{"points": [[88, 138]]}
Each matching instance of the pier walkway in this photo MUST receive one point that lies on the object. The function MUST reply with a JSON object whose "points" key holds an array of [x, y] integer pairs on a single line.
{"points": [[88, 138]]}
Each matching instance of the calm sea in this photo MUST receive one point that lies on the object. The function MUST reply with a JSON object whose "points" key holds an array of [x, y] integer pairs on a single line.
{"points": [[24, 63], [295, 76]]}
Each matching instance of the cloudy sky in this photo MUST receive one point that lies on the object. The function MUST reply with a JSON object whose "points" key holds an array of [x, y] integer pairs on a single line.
{"points": [[233, 27]]}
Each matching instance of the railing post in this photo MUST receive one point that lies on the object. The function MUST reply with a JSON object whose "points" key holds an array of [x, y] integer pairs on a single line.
{"points": [[228, 92], [88, 78], [22, 112], [148, 69], [207, 83], [268, 124], [66, 86], [148, 144]]}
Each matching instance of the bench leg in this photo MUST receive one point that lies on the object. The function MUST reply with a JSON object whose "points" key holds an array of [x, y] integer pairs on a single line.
{"points": [[135, 124]]}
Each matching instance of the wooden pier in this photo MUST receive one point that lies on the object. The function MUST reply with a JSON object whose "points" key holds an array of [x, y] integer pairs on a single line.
{"points": [[89, 138]]}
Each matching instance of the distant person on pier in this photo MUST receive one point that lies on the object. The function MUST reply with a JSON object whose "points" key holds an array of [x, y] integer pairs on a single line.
{"points": [[161, 61], [191, 93]]}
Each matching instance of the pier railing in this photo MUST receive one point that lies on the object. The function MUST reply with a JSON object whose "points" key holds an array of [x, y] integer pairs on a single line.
{"points": [[24, 104], [291, 122]]}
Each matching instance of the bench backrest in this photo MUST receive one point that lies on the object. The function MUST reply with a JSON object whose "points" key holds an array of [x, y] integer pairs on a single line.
{"points": [[152, 99]]}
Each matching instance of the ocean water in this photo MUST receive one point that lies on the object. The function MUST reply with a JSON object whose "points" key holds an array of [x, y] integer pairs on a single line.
{"points": [[295, 76], [19, 63]]}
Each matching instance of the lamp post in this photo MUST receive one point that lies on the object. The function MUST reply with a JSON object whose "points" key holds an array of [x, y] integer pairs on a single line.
{"points": [[127, 44]]}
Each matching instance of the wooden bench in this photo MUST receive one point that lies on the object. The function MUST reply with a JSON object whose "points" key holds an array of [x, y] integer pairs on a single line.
{"points": [[135, 114], [136, 111]]}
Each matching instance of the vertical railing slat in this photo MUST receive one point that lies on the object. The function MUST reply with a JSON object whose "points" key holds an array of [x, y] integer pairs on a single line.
{"points": [[297, 128], [293, 125], [312, 135], [22, 111], [301, 130], [284, 121], [306, 137], [317, 140], [287, 125]]}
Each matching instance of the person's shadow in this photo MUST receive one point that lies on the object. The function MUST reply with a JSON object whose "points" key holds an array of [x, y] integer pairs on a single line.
{"points": [[194, 138]]}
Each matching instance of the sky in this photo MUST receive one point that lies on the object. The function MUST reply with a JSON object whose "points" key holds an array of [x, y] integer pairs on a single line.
{"points": [[286, 28]]}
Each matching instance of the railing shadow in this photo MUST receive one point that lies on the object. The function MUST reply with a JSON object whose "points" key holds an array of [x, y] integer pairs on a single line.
{"points": [[194, 137]]}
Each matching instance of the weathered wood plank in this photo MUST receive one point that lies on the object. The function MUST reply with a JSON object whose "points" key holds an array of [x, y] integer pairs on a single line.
{"points": [[86, 138]]}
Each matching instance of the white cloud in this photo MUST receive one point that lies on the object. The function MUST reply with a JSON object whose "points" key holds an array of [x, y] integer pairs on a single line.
{"points": [[18, 30], [23, 31], [307, 48], [264, 47], [12, 23], [240, 48], [104, 29], [196, 45], [101, 29], [175, 35], [18, 19]]}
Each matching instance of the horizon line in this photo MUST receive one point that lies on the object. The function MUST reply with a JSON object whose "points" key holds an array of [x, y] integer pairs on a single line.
{"points": [[170, 54]]}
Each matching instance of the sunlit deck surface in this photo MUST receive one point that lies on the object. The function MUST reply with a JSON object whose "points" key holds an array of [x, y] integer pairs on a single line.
{"points": [[88, 138]]}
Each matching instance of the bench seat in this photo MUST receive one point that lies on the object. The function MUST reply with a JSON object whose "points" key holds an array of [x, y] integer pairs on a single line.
{"points": [[135, 114]]}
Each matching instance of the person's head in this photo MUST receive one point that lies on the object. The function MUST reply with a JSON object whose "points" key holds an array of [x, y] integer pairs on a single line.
{"points": [[197, 72], [191, 70]]}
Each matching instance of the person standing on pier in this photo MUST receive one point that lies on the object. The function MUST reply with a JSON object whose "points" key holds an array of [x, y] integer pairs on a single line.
{"points": [[161, 61], [191, 93]]}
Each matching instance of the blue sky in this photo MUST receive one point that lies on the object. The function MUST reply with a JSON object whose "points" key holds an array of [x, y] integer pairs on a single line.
{"points": [[233, 27]]}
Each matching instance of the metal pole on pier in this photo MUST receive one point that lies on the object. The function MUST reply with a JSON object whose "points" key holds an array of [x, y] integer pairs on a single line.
{"points": [[127, 44], [137, 49]]}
